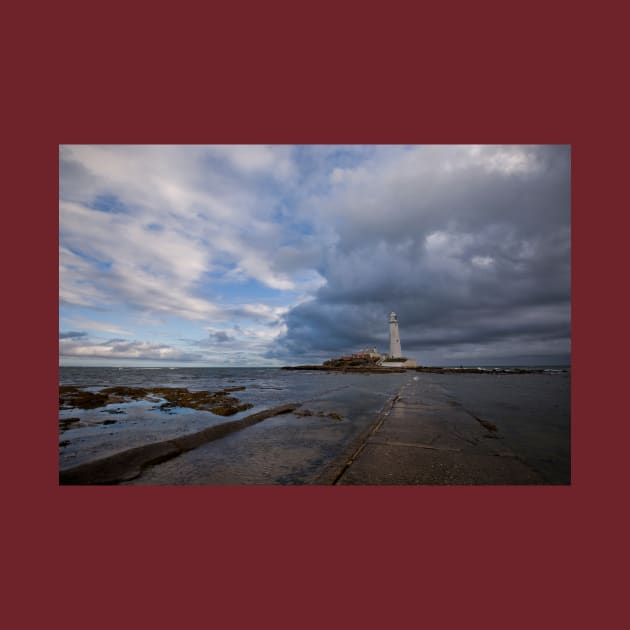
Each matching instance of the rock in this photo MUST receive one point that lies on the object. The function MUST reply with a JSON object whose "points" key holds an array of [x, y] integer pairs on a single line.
{"points": [[444, 370], [228, 409], [65, 423], [220, 402], [303, 412], [73, 397]]}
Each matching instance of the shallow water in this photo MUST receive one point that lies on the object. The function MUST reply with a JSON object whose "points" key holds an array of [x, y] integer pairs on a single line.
{"points": [[106, 430], [531, 413], [286, 449]]}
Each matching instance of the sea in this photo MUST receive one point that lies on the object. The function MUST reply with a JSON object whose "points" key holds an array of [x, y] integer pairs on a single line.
{"points": [[531, 412]]}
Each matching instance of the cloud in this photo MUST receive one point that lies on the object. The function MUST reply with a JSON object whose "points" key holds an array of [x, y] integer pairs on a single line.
{"points": [[303, 251], [146, 227], [121, 349], [71, 334], [271, 160], [214, 338], [82, 322], [469, 245]]}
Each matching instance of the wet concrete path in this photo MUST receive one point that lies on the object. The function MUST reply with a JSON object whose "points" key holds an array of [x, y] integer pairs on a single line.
{"points": [[428, 438]]}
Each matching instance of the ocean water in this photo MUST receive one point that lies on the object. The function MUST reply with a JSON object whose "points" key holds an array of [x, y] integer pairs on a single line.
{"points": [[264, 387], [531, 412], [357, 398]]}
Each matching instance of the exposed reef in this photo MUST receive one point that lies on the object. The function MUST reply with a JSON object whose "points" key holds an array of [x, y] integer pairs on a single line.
{"points": [[70, 396], [68, 423], [220, 402], [335, 366], [345, 369], [463, 370], [353, 361]]}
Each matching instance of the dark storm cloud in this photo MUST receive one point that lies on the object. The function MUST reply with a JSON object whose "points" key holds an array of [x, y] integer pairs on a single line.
{"points": [[471, 247], [220, 337], [71, 334], [214, 337]]}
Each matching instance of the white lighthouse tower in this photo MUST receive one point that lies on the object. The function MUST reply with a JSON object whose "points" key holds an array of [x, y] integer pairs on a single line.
{"points": [[394, 337]]}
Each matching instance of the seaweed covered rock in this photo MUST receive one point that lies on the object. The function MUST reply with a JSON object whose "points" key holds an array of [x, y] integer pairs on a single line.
{"points": [[219, 402], [74, 397]]}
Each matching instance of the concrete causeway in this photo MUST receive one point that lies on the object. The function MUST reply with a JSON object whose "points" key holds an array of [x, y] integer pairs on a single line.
{"points": [[423, 437]]}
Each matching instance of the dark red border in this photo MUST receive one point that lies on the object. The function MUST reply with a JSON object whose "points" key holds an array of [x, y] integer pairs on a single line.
{"points": [[312, 557]]}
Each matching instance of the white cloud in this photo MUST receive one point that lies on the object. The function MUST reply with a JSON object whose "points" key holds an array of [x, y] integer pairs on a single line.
{"points": [[88, 324], [353, 176], [273, 160], [176, 218], [508, 161], [119, 349], [482, 261], [73, 288]]}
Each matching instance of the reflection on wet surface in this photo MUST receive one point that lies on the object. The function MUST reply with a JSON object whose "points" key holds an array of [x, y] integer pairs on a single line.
{"points": [[527, 416], [353, 398]]}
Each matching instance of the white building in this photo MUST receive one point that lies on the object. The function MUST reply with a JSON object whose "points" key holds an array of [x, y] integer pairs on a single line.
{"points": [[395, 351], [394, 337]]}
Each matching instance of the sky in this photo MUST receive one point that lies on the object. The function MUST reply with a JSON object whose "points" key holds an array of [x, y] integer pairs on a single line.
{"points": [[276, 255]]}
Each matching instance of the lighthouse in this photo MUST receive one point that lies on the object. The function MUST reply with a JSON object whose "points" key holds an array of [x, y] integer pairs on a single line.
{"points": [[394, 337]]}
